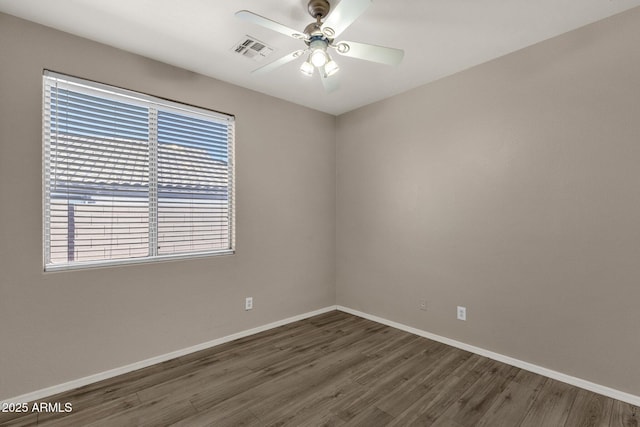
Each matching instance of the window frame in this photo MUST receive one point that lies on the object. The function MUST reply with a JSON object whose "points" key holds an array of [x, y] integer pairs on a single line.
{"points": [[154, 104]]}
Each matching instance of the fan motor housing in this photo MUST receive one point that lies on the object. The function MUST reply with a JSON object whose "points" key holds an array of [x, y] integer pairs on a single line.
{"points": [[319, 8]]}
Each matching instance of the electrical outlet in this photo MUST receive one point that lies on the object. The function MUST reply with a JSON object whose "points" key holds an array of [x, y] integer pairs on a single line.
{"points": [[462, 313], [248, 303], [423, 305]]}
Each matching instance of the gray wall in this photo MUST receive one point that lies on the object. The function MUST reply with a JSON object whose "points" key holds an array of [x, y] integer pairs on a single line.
{"points": [[58, 327], [512, 188]]}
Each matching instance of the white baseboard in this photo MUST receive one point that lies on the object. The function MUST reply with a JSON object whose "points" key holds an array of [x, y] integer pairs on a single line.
{"points": [[50, 391], [568, 379], [578, 382]]}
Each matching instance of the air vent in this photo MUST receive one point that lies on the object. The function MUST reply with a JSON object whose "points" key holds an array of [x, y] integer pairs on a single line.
{"points": [[252, 48]]}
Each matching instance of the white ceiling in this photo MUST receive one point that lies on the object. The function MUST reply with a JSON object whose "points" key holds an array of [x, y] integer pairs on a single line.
{"points": [[440, 37]]}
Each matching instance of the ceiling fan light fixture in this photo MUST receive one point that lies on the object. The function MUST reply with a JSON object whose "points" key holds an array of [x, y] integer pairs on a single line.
{"points": [[319, 57], [330, 68], [320, 35], [307, 68]]}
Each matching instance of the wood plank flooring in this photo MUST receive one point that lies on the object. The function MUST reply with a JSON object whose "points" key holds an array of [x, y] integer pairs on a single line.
{"points": [[333, 370]]}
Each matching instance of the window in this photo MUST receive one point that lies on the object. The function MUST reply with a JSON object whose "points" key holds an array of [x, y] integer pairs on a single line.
{"points": [[129, 177]]}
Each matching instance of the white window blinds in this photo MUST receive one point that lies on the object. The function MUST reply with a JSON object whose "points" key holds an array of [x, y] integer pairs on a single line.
{"points": [[129, 177]]}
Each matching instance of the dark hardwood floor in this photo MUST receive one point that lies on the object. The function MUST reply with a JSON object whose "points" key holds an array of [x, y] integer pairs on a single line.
{"points": [[334, 369]]}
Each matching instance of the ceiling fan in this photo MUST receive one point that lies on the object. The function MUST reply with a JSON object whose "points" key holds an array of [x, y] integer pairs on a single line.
{"points": [[319, 36]]}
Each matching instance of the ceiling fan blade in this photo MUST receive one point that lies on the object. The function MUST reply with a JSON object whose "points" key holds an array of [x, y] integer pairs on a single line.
{"points": [[245, 15], [344, 14], [330, 84], [370, 52], [278, 62]]}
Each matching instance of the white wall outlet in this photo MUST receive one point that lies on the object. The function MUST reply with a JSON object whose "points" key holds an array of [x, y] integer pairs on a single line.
{"points": [[423, 305], [462, 313], [248, 303]]}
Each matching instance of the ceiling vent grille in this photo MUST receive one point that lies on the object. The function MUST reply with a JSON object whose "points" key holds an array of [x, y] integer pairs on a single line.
{"points": [[252, 48]]}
